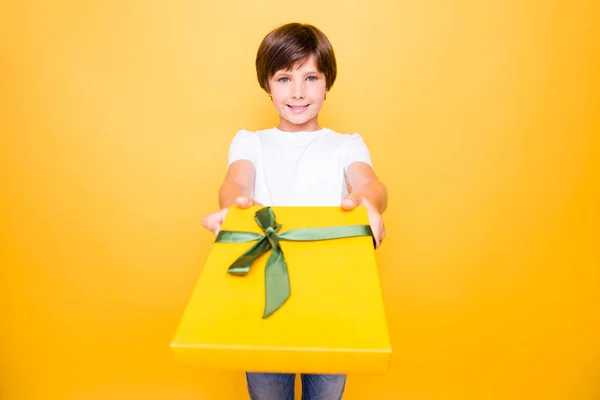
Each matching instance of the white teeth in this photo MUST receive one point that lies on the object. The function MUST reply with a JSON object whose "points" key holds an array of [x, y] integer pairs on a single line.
{"points": [[298, 109]]}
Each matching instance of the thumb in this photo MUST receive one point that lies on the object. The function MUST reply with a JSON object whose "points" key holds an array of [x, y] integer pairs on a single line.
{"points": [[243, 202], [350, 202]]}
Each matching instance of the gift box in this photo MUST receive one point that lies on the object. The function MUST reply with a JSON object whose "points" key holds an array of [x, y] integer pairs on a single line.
{"points": [[288, 289]]}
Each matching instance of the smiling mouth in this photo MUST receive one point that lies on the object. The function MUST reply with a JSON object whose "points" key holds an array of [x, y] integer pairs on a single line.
{"points": [[298, 108]]}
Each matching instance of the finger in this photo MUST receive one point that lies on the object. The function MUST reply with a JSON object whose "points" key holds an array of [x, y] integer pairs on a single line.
{"points": [[377, 237], [246, 202], [375, 222], [243, 202], [349, 203], [213, 221], [210, 224], [207, 222], [221, 218], [381, 230]]}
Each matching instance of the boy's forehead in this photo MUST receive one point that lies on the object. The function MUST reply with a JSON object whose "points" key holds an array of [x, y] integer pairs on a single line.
{"points": [[307, 63]]}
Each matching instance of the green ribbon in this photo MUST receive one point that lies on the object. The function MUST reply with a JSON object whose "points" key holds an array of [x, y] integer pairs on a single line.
{"points": [[277, 282]]}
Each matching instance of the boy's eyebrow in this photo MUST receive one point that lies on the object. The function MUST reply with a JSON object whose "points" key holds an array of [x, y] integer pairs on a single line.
{"points": [[282, 72]]}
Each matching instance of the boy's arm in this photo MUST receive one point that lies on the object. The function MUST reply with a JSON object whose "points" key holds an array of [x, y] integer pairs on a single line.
{"points": [[367, 190], [238, 182], [365, 185], [235, 190]]}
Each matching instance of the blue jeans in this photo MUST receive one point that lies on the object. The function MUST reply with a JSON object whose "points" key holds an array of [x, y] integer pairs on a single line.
{"points": [[281, 386]]}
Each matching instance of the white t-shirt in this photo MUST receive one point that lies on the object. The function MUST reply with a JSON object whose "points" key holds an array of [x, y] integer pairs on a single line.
{"points": [[300, 168]]}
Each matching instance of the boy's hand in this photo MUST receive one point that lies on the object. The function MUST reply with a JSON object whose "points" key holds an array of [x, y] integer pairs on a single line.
{"points": [[375, 221], [213, 221]]}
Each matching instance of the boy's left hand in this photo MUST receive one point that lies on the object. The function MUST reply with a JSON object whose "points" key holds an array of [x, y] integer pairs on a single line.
{"points": [[351, 201]]}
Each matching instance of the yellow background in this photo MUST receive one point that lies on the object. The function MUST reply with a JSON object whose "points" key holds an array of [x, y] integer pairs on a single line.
{"points": [[482, 119]]}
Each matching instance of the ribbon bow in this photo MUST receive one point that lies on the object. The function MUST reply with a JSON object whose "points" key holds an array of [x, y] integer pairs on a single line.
{"points": [[277, 283]]}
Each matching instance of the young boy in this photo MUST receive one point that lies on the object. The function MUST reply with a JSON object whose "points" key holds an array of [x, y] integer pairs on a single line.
{"points": [[298, 163]]}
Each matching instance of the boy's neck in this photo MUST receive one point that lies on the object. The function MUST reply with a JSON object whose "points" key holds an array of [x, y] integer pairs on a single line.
{"points": [[309, 126]]}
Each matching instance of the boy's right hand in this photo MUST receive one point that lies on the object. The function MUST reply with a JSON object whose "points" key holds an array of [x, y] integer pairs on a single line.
{"points": [[213, 221]]}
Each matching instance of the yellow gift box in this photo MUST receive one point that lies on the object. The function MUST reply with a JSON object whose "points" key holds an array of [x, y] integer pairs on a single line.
{"points": [[332, 322]]}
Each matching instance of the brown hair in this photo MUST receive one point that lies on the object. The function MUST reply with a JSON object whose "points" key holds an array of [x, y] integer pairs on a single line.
{"points": [[289, 44]]}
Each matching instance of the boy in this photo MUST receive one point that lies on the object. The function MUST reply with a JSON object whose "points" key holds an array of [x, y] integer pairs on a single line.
{"points": [[298, 163]]}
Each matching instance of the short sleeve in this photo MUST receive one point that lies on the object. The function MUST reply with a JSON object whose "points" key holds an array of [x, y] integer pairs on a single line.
{"points": [[355, 150], [242, 147]]}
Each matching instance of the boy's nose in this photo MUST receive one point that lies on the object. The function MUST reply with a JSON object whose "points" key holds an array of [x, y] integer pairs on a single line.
{"points": [[298, 92]]}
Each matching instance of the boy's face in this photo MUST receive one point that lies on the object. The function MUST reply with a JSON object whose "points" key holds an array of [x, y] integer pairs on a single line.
{"points": [[298, 96]]}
